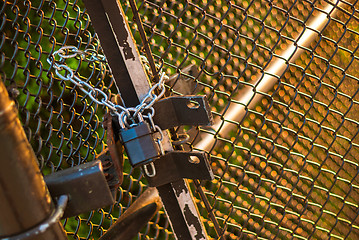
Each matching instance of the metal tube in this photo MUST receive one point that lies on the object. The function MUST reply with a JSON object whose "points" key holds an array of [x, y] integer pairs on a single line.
{"points": [[24, 200], [249, 97]]}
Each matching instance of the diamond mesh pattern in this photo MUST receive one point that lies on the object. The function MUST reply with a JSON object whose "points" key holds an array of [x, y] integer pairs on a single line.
{"points": [[288, 167]]}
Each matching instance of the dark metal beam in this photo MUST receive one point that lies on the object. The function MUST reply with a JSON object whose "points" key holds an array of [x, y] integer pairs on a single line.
{"points": [[120, 50], [24, 200]]}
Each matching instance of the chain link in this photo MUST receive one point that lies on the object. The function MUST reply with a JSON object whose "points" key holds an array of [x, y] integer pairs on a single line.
{"points": [[127, 116], [90, 55]]}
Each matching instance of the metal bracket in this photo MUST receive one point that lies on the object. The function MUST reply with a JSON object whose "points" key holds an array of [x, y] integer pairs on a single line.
{"points": [[85, 185], [185, 110], [110, 171], [179, 82], [176, 165]]}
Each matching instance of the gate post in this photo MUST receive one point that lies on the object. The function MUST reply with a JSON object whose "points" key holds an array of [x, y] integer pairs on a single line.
{"points": [[25, 203]]}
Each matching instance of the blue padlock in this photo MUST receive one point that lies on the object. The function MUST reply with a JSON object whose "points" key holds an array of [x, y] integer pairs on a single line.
{"points": [[139, 142]]}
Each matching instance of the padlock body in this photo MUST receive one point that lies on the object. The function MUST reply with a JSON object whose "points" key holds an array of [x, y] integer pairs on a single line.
{"points": [[139, 144]]}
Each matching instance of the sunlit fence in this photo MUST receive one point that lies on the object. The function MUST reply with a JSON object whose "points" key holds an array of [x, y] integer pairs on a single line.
{"points": [[282, 80]]}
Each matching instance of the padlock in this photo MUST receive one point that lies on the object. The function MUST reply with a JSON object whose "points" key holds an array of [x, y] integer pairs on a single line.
{"points": [[139, 142]]}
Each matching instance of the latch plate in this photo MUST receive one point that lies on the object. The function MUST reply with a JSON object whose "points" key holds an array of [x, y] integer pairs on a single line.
{"points": [[85, 185], [176, 165], [184, 110]]}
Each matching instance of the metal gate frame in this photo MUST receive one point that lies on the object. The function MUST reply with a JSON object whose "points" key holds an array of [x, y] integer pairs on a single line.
{"points": [[123, 58], [136, 86]]}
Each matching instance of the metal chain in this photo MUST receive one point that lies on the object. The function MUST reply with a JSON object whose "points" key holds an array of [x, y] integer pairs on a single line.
{"points": [[90, 55], [125, 115]]}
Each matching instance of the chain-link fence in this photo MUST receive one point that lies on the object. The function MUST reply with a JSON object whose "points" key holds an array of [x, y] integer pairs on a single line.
{"points": [[281, 78]]}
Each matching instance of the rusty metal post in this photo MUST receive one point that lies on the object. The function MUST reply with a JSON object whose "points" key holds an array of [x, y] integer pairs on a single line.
{"points": [[24, 200]]}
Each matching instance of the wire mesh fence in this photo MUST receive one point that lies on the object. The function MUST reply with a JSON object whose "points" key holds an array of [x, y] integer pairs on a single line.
{"points": [[281, 78]]}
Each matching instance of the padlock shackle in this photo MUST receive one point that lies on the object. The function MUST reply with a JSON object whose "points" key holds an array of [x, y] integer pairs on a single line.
{"points": [[123, 118]]}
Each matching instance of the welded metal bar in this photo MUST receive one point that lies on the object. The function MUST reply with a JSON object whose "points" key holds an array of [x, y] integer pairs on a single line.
{"points": [[209, 208], [121, 53], [24, 200], [146, 46], [250, 96], [135, 217], [110, 25]]}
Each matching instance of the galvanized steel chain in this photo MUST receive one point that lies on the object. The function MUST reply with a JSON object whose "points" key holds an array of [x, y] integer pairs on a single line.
{"points": [[150, 98], [127, 116], [89, 55]]}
